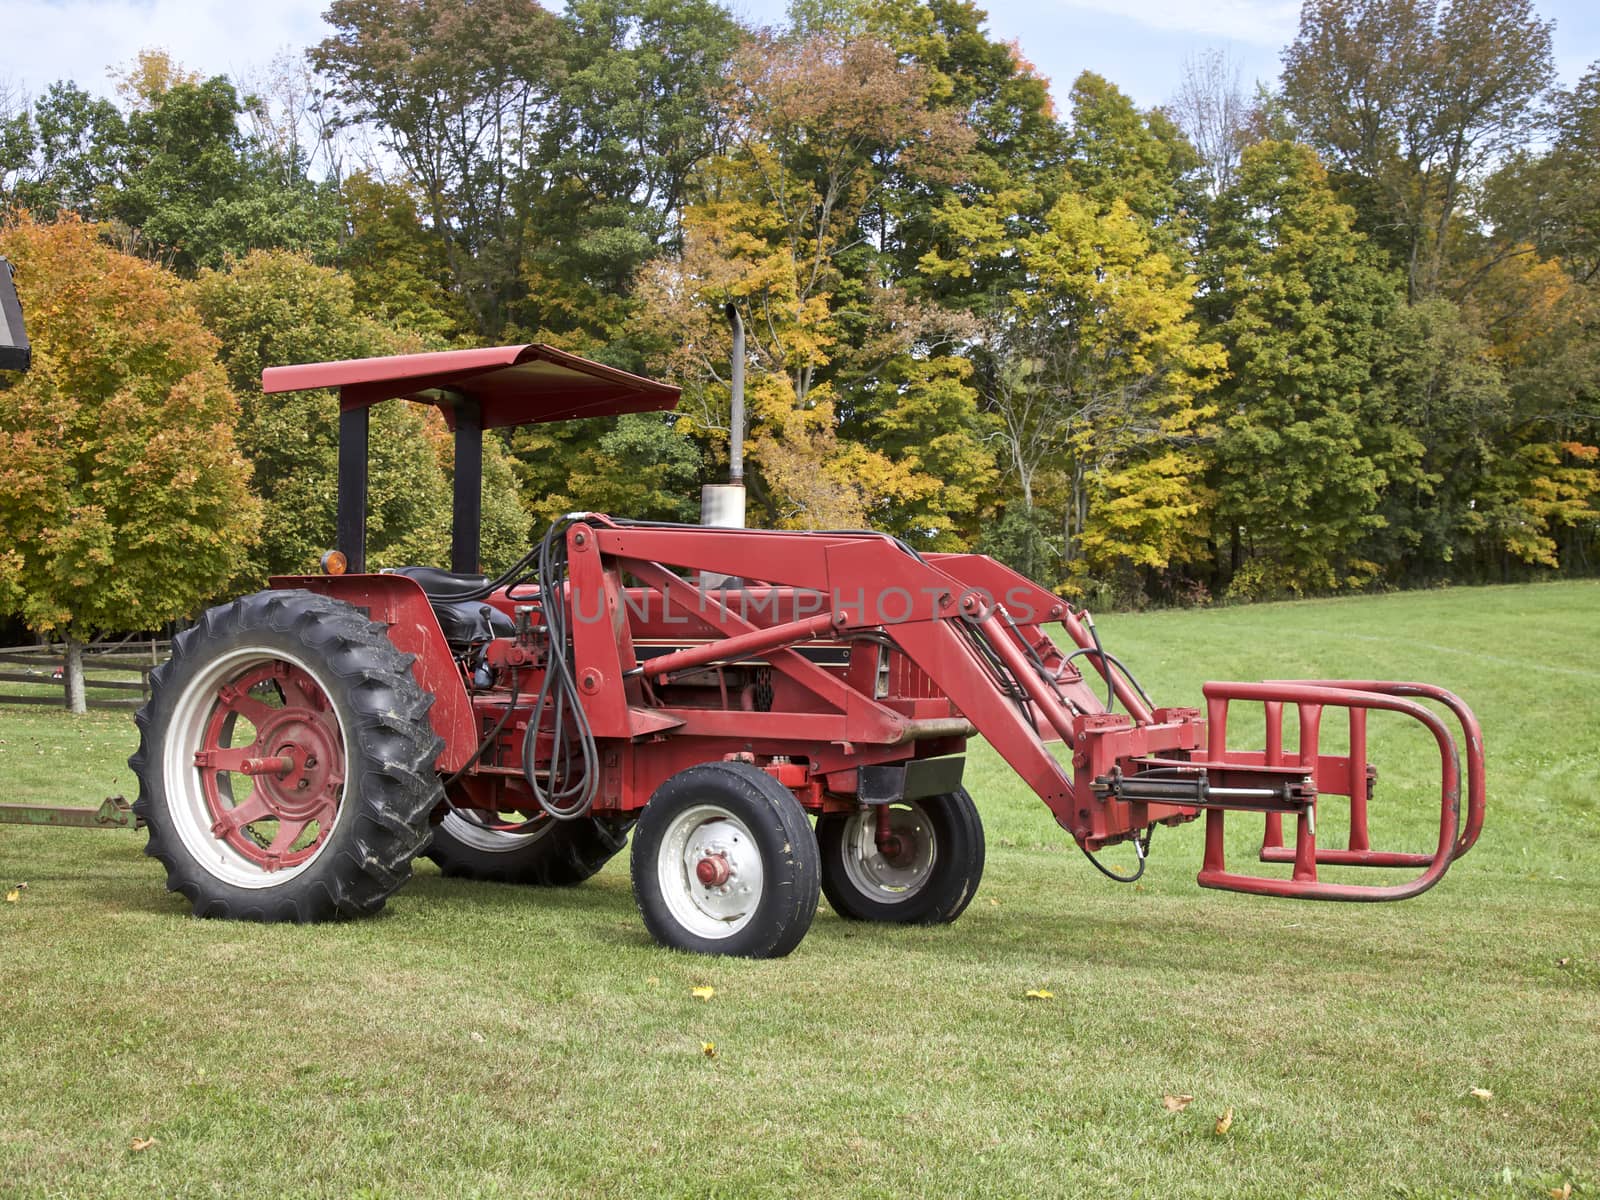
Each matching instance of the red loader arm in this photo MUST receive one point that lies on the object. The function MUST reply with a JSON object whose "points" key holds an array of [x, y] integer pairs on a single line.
{"points": [[978, 632]]}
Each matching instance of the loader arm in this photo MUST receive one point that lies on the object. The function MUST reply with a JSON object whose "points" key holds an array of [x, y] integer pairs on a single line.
{"points": [[982, 634]]}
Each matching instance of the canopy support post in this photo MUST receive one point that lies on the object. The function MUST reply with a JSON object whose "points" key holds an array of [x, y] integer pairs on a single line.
{"points": [[467, 516], [352, 525]]}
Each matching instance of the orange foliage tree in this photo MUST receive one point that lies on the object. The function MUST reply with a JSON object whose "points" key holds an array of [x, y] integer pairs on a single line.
{"points": [[122, 495]]}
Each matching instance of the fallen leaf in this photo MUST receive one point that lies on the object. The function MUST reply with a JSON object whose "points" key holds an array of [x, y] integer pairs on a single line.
{"points": [[654, 981], [13, 896], [476, 1036], [1225, 1122], [1564, 1192], [141, 1144], [1176, 1103], [1040, 994], [703, 993], [1482, 1094], [709, 1049], [994, 903]]}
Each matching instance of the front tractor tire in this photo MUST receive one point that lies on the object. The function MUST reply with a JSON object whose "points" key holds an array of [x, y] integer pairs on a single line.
{"points": [[286, 762], [925, 873], [724, 862]]}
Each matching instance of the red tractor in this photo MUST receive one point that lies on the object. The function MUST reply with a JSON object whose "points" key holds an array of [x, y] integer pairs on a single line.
{"points": [[709, 689]]}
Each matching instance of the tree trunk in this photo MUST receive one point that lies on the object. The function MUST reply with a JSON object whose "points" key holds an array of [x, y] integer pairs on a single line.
{"points": [[73, 676]]}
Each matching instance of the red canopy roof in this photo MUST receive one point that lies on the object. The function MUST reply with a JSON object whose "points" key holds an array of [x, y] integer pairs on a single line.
{"points": [[513, 385]]}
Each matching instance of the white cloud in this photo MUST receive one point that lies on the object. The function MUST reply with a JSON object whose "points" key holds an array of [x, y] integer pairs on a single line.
{"points": [[1260, 22], [45, 40]]}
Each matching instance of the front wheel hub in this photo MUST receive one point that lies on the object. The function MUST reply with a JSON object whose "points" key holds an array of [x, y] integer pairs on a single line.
{"points": [[713, 870], [710, 871]]}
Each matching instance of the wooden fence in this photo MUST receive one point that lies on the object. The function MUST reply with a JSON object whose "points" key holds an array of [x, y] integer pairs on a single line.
{"points": [[115, 674]]}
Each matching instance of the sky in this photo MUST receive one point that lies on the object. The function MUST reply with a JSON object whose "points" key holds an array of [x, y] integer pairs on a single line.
{"points": [[1140, 45]]}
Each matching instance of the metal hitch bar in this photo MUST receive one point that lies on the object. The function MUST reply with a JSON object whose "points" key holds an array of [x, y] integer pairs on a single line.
{"points": [[114, 813], [1190, 784]]}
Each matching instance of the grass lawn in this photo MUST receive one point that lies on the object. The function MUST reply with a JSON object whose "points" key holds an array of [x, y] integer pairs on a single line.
{"points": [[486, 1040]]}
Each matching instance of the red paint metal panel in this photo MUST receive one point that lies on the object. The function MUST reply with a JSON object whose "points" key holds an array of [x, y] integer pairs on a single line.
{"points": [[398, 602]]}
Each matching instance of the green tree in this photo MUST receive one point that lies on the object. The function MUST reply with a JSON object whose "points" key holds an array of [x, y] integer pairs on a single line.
{"points": [[122, 493], [396, 264], [1309, 439], [636, 109], [193, 190], [274, 307], [1449, 392], [1117, 152], [459, 92], [61, 153]]}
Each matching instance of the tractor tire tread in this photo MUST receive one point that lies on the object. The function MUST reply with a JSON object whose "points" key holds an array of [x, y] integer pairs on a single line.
{"points": [[564, 854], [389, 760]]}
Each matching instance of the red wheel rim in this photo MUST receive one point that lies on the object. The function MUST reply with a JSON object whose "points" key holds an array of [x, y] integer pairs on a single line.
{"points": [[272, 799]]}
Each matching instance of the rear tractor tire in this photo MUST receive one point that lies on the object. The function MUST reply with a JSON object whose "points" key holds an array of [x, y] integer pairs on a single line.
{"points": [[553, 853], [286, 762], [724, 862], [926, 874]]}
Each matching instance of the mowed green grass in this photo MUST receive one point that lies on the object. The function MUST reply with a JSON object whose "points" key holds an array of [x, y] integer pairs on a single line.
{"points": [[486, 1040]]}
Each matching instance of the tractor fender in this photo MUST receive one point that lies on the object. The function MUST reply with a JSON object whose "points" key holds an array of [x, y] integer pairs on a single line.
{"points": [[399, 603]]}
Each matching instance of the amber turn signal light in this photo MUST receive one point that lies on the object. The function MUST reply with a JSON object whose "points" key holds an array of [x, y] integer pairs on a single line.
{"points": [[333, 563]]}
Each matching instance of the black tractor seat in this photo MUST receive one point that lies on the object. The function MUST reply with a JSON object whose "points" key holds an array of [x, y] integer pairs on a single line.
{"points": [[442, 586], [464, 622]]}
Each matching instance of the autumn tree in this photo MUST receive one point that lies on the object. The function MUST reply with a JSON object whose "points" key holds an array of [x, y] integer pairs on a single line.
{"points": [[1100, 376], [122, 492], [781, 229], [1408, 101], [1539, 482], [1528, 279]]}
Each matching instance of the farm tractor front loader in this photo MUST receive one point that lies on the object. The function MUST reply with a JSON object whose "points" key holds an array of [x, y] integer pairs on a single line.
{"points": [[767, 714]]}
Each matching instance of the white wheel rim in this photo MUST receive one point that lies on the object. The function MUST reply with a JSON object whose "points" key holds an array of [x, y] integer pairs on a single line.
{"points": [[186, 801], [896, 880], [470, 828], [708, 831]]}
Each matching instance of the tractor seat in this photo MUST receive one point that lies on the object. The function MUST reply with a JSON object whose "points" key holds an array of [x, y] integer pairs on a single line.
{"points": [[441, 586], [464, 623]]}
